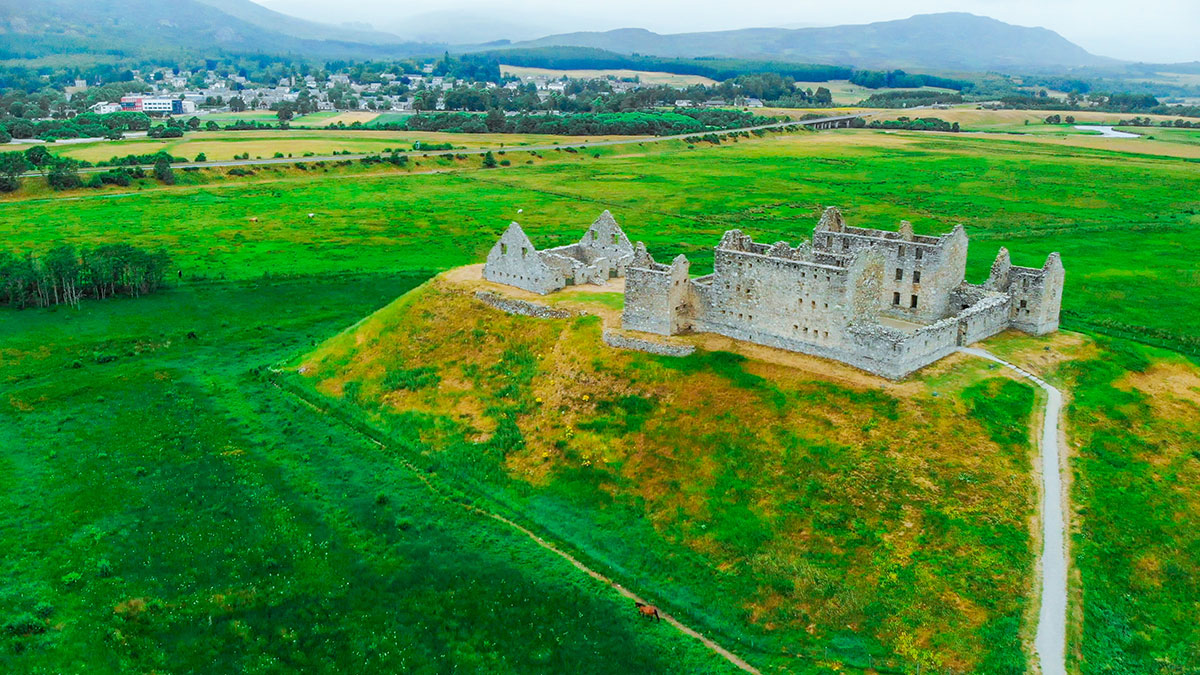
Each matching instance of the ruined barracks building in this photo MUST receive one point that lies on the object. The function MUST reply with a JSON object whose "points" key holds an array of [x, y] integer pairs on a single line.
{"points": [[602, 254], [886, 302]]}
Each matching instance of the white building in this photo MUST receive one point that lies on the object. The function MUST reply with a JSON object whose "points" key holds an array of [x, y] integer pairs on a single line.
{"points": [[105, 108]]}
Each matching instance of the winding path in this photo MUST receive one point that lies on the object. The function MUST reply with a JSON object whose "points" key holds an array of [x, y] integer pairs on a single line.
{"points": [[1051, 639]]}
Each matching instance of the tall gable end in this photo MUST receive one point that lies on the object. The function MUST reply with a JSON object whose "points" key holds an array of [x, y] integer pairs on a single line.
{"points": [[606, 235]]}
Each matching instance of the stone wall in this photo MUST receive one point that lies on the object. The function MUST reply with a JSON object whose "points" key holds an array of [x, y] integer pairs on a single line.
{"points": [[985, 313], [1036, 293], [522, 307], [637, 344], [659, 299], [514, 261], [920, 271]]}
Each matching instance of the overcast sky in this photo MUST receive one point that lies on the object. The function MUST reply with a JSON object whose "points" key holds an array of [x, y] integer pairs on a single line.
{"points": [[1147, 30]]}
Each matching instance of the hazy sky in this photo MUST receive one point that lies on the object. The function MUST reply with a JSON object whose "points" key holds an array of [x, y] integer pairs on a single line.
{"points": [[1147, 30]]}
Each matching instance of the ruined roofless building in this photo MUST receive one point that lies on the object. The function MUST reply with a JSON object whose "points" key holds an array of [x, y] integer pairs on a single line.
{"points": [[603, 253], [886, 302]]}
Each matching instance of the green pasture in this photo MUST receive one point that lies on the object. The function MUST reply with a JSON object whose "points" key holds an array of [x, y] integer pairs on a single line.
{"points": [[1125, 224], [388, 118], [168, 510], [262, 144], [1169, 134], [245, 116]]}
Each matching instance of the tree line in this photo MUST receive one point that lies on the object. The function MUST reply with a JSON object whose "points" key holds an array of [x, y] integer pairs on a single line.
{"points": [[65, 276], [84, 125], [62, 173], [582, 124]]}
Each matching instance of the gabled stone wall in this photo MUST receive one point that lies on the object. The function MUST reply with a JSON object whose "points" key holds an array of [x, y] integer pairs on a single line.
{"points": [[602, 254], [514, 261]]}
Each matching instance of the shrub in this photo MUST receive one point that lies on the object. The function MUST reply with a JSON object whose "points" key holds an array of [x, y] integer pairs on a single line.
{"points": [[63, 176], [24, 624]]}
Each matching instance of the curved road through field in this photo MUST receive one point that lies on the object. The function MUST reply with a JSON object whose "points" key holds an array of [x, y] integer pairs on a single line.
{"points": [[817, 122], [1051, 639]]}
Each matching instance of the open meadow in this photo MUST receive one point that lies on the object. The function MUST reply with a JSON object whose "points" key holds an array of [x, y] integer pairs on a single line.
{"points": [[265, 143], [283, 536]]}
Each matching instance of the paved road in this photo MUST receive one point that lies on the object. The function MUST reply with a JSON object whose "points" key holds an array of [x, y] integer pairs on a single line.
{"points": [[480, 151], [1051, 639]]}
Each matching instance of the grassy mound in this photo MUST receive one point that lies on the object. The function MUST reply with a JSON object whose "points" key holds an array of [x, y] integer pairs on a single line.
{"points": [[784, 513]]}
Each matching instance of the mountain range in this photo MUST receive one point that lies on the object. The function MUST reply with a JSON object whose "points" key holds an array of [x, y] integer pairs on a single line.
{"points": [[943, 42], [946, 41], [141, 28]]}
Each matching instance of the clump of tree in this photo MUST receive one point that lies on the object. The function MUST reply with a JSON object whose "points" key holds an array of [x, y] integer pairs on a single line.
{"points": [[583, 124], [1147, 122], [12, 165], [64, 275], [85, 125], [911, 98], [163, 171], [919, 124]]}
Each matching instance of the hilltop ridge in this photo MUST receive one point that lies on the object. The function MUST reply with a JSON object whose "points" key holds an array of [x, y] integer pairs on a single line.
{"points": [[948, 41]]}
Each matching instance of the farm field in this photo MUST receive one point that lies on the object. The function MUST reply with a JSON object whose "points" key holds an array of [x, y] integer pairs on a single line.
{"points": [[226, 117], [973, 118], [388, 118], [645, 76], [225, 145], [1125, 223], [1171, 135], [321, 119], [846, 92]]}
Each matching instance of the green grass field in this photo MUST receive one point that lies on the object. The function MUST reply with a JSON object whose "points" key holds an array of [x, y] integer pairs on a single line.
{"points": [[107, 411], [226, 145], [209, 522]]}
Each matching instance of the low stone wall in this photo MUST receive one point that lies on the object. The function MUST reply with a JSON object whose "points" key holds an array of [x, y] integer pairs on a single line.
{"points": [[521, 307], [637, 344], [984, 319]]}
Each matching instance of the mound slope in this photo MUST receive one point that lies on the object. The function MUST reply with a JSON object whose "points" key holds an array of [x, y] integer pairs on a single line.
{"points": [[777, 508]]}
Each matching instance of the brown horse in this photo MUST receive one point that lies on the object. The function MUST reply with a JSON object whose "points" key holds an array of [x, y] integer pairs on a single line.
{"points": [[648, 610]]}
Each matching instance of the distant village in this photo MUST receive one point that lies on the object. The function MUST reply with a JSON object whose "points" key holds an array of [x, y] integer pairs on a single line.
{"points": [[183, 92]]}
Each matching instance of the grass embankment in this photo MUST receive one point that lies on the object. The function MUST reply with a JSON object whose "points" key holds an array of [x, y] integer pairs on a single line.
{"points": [[165, 510], [774, 509], [1134, 425]]}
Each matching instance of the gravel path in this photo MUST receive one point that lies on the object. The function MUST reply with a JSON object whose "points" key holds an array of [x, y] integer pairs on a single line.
{"points": [[1051, 639]]}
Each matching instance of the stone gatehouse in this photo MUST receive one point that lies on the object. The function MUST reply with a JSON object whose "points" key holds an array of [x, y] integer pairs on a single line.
{"points": [[602, 254], [886, 302]]}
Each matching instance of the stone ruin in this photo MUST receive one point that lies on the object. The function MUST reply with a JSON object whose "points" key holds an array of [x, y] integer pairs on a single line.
{"points": [[602, 254], [886, 302]]}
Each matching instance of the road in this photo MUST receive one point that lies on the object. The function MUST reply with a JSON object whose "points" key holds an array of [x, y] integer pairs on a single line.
{"points": [[1051, 640], [480, 151]]}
